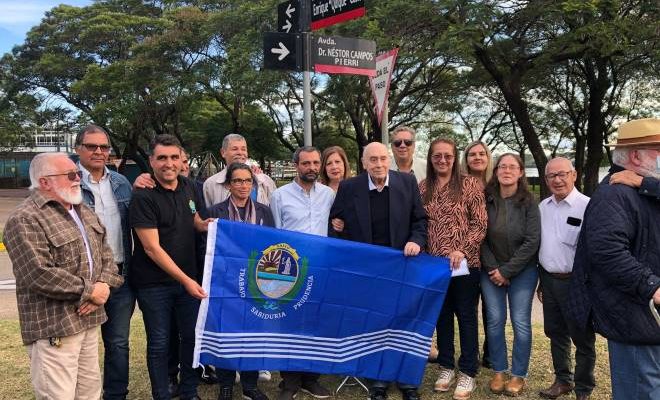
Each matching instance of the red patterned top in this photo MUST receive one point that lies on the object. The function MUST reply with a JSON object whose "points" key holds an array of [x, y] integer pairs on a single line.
{"points": [[457, 225]]}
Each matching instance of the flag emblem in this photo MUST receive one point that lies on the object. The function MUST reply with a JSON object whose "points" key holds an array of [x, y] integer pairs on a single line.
{"points": [[276, 278]]}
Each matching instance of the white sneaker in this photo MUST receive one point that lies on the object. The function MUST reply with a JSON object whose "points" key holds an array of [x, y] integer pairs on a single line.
{"points": [[264, 375], [238, 377], [444, 380], [464, 387]]}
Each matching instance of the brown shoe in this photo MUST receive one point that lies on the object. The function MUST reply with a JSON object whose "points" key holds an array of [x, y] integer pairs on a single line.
{"points": [[557, 389], [514, 386], [497, 382]]}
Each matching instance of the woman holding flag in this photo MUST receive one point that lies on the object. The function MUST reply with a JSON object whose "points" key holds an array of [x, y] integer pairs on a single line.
{"points": [[457, 221], [240, 207]]}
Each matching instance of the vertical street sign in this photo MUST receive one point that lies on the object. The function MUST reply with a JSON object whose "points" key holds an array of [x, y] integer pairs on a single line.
{"points": [[283, 51], [330, 12], [340, 55], [380, 84], [288, 16]]}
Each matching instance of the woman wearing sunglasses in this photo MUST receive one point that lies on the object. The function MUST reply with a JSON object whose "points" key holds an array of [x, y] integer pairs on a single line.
{"points": [[240, 207]]}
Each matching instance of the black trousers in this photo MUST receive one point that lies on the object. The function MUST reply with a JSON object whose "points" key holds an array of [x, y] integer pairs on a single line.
{"points": [[227, 377], [561, 330], [294, 380], [461, 300]]}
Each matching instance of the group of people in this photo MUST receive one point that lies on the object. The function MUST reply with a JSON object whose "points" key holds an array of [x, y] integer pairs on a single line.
{"points": [[85, 246]]}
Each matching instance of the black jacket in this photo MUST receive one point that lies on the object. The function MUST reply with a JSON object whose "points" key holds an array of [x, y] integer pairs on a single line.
{"points": [[617, 264], [407, 215], [264, 215]]}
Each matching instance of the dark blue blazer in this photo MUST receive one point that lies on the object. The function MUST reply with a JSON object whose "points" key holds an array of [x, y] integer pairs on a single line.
{"points": [[407, 214]]}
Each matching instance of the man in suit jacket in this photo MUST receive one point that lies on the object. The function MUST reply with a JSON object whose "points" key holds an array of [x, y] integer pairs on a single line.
{"points": [[381, 207]]}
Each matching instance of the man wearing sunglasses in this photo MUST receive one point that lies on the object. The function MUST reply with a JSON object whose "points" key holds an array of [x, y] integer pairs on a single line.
{"points": [[403, 149], [64, 272], [108, 193]]}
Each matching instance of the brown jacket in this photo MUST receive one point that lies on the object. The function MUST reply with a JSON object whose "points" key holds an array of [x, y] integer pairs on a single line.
{"points": [[50, 264]]}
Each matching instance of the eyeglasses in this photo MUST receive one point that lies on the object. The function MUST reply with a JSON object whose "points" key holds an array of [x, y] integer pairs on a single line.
{"points": [[440, 157], [561, 175], [507, 167], [71, 175], [398, 142], [92, 147], [241, 182]]}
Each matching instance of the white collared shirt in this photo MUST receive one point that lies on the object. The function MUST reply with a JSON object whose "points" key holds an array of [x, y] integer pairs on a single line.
{"points": [[296, 210], [372, 185], [106, 208], [558, 238], [216, 192], [83, 232]]}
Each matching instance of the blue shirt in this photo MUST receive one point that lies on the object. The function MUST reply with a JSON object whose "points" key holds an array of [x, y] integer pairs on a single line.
{"points": [[296, 210]]}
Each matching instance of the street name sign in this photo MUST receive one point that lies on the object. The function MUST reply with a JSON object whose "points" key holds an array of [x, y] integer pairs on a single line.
{"points": [[283, 51], [288, 16], [330, 12], [340, 55]]}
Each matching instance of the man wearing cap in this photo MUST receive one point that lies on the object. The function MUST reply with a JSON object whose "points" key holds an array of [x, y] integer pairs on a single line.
{"points": [[616, 274]]}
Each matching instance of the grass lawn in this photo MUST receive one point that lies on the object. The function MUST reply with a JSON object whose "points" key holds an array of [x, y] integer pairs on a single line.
{"points": [[16, 378]]}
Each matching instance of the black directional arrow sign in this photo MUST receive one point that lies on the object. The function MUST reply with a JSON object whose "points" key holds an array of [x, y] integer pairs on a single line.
{"points": [[287, 16], [283, 51]]}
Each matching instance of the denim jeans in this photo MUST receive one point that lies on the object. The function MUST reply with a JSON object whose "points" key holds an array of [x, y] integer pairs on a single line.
{"points": [[157, 304], [115, 333], [635, 371], [520, 295], [461, 300]]}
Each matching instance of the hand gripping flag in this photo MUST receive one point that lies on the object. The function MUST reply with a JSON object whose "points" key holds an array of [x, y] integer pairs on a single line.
{"points": [[288, 301]]}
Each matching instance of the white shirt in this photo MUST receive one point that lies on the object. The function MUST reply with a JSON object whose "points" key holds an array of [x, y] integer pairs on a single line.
{"points": [[558, 238], [296, 210], [105, 207], [83, 232], [372, 185]]}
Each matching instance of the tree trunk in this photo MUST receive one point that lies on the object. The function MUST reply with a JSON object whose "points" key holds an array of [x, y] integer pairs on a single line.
{"points": [[597, 79]]}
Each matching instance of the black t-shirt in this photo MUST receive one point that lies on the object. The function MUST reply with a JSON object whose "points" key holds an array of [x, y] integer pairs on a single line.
{"points": [[172, 212]]}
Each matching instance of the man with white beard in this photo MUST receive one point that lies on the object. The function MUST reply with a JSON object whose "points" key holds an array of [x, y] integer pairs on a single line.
{"points": [[64, 270]]}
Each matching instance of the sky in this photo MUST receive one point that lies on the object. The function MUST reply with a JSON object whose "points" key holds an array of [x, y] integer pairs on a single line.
{"points": [[18, 16]]}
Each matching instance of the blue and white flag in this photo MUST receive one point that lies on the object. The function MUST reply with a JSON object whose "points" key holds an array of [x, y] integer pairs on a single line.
{"points": [[288, 301]]}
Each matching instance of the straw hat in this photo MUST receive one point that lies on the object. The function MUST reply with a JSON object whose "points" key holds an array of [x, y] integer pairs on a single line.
{"points": [[638, 132]]}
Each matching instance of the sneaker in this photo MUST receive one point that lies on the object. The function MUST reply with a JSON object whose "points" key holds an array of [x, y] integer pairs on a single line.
{"points": [[254, 394], [444, 380], [464, 387], [378, 394], [226, 393], [238, 377], [264, 375], [286, 394], [315, 389], [409, 394]]}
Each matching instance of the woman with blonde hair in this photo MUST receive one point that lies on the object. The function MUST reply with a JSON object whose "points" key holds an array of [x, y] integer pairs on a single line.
{"points": [[478, 162]]}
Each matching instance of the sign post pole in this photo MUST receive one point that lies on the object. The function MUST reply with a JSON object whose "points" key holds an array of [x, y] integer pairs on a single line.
{"points": [[307, 108], [384, 131]]}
